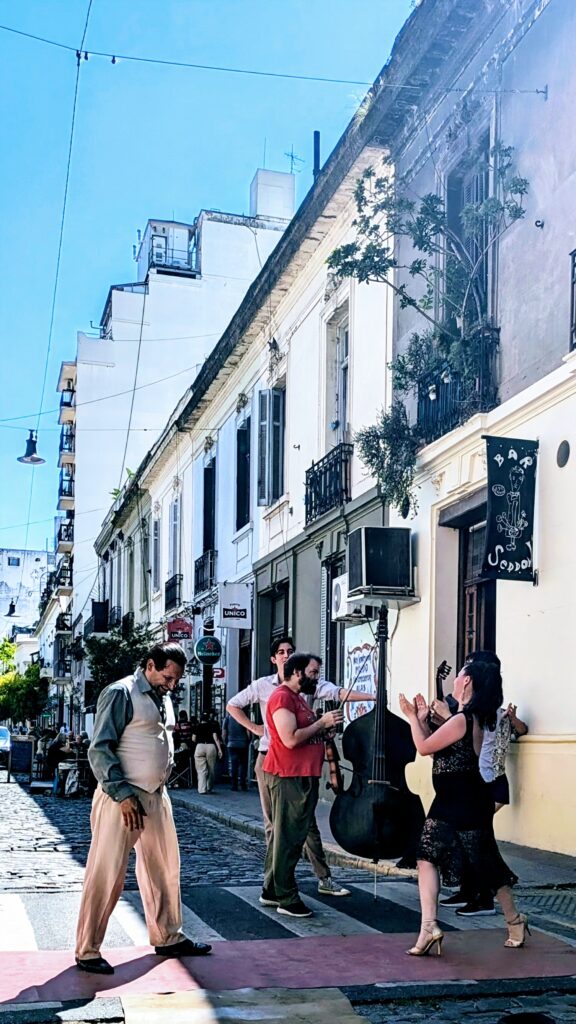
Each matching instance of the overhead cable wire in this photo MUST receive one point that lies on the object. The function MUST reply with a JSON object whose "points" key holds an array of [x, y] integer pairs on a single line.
{"points": [[116, 57], [56, 279]]}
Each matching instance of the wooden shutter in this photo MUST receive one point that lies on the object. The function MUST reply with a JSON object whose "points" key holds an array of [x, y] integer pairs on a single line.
{"points": [[209, 528], [243, 474], [174, 538], [277, 445], [263, 418], [156, 555]]}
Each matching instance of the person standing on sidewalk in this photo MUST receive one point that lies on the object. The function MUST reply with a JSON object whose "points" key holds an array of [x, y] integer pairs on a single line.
{"points": [[259, 692], [237, 740], [208, 748], [131, 756], [292, 768]]}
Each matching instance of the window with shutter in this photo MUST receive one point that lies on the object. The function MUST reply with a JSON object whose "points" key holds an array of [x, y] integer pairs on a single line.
{"points": [[174, 538], [243, 474], [144, 561], [271, 431], [471, 185], [156, 555], [209, 528]]}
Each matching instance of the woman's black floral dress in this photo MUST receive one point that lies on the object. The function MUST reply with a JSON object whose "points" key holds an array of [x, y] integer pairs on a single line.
{"points": [[458, 836]]}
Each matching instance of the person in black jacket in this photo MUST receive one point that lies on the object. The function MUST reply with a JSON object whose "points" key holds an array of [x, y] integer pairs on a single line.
{"points": [[237, 740]]}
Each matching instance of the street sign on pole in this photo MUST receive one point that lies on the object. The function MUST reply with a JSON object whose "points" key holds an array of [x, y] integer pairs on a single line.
{"points": [[208, 650]]}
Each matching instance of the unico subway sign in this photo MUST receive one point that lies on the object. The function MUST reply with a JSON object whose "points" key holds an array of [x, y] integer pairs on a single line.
{"points": [[235, 605]]}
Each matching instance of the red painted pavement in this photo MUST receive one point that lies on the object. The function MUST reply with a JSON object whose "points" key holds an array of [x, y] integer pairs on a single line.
{"points": [[303, 963]]}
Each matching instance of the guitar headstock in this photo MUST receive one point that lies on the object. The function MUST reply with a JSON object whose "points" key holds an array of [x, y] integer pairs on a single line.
{"points": [[442, 673]]}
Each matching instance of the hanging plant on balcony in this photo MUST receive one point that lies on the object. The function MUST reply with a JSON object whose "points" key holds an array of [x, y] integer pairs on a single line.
{"points": [[389, 449], [445, 282]]}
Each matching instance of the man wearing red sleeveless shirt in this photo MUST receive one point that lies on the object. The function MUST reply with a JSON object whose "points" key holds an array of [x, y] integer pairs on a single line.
{"points": [[293, 766]]}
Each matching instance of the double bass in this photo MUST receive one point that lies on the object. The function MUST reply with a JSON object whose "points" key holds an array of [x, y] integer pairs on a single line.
{"points": [[377, 816]]}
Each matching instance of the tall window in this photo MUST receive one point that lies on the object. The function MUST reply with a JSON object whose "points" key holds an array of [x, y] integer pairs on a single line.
{"points": [[279, 612], [209, 529], [130, 565], [145, 560], [174, 538], [573, 299], [271, 430], [342, 378], [477, 597], [243, 474], [469, 183], [334, 631], [155, 555]]}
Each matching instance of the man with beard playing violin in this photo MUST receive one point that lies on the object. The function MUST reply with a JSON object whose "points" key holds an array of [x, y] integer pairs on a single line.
{"points": [[292, 768]]}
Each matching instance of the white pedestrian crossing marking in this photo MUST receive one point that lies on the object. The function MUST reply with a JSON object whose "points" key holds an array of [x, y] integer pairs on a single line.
{"points": [[134, 924], [326, 921], [16, 929]]}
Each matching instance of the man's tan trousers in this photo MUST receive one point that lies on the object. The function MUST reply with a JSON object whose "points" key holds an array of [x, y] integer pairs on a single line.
{"points": [[157, 871]]}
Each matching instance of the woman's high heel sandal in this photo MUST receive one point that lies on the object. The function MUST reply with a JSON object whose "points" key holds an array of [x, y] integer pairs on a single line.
{"points": [[433, 937], [517, 932]]}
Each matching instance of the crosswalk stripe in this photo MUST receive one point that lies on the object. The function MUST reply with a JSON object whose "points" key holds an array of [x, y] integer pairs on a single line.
{"points": [[133, 922], [16, 929], [406, 895], [326, 920]]}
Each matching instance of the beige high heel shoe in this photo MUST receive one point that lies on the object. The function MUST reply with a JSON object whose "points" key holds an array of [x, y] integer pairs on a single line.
{"points": [[434, 936], [517, 932]]}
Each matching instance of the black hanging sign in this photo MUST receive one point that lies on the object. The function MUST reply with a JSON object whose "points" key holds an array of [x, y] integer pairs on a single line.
{"points": [[510, 512]]}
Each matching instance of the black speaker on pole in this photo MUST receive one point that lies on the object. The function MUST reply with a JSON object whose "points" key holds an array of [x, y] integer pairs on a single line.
{"points": [[380, 559]]}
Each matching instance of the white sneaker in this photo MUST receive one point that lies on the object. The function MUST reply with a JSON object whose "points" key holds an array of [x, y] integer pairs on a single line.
{"points": [[328, 887]]}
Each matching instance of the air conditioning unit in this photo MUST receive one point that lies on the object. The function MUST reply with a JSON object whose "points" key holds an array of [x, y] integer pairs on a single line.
{"points": [[339, 604], [380, 562], [342, 609]]}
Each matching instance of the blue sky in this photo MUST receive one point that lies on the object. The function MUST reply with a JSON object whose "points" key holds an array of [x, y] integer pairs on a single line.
{"points": [[150, 141]]}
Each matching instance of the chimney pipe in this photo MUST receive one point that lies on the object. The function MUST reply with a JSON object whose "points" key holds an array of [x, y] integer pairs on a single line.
{"points": [[316, 169]]}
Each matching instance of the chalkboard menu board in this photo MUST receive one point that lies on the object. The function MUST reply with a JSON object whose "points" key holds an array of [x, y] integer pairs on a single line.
{"points": [[22, 757]]}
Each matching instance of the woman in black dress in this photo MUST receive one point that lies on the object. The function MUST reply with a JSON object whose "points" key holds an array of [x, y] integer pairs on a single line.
{"points": [[458, 839]]}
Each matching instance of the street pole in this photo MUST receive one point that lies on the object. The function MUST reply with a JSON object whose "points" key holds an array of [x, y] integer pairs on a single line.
{"points": [[207, 681]]}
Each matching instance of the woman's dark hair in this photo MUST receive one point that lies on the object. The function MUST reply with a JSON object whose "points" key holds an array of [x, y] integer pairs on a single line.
{"points": [[161, 653], [488, 656], [488, 695]]}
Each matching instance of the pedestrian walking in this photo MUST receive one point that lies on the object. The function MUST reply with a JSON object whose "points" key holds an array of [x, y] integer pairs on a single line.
{"points": [[131, 755], [237, 740], [292, 768], [259, 692], [208, 748]]}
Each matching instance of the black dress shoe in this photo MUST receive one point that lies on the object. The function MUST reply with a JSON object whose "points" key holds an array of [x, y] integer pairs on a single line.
{"points": [[184, 948], [97, 965]]}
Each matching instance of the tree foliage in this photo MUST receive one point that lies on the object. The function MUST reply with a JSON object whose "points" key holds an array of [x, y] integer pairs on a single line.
{"points": [[7, 654], [23, 697], [114, 656]]}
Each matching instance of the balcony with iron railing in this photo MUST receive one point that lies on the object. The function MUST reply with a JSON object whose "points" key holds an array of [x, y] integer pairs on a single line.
{"points": [[63, 577], [205, 571], [67, 405], [65, 537], [67, 447], [66, 491], [115, 617], [62, 668], [127, 624], [328, 482], [448, 399], [173, 592], [98, 620], [63, 623], [175, 261]]}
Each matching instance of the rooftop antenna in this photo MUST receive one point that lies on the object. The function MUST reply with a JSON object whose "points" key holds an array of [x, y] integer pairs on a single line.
{"points": [[294, 160]]}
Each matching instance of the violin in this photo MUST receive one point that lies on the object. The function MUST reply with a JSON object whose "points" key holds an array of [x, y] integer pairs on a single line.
{"points": [[377, 816]]}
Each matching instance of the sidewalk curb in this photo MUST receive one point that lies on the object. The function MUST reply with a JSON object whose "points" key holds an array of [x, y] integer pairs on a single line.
{"points": [[103, 1010], [253, 827]]}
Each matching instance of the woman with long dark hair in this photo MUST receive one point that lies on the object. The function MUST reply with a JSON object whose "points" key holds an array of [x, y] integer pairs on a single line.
{"points": [[458, 838]]}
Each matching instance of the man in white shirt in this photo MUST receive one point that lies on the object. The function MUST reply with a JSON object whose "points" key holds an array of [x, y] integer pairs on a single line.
{"points": [[258, 692]]}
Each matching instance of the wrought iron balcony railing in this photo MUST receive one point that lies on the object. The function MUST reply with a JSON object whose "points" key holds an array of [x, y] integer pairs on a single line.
{"points": [[98, 621], [328, 482], [63, 667], [172, 591], [127, 624], [67, 440], [446, 400], [64, 623], [66, 532], [115, 617], [63, 576], [67, 398], [183, 260], [205, 571], [66, 488]]}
